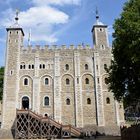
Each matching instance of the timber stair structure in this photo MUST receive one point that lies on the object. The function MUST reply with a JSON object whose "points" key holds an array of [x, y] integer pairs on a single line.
{"points": [[29, 125]]}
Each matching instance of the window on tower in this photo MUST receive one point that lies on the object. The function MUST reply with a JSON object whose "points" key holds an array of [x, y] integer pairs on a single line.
{"points": [[46, 101], [67, 101], [67, 81], [86, 66], [107, 100], [26, 82], [67, 67], [86, 81], [46, 81], [88, 101]]}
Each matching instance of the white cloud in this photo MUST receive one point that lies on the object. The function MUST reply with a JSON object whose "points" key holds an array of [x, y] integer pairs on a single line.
{"points": [[56, 2], [42, 19]]}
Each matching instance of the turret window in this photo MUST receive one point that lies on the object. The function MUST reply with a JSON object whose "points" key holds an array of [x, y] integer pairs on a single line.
{"points": [[102, 47], [29, 66]]}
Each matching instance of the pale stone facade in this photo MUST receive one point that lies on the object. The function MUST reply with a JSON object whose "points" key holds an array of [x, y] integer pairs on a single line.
{"points": [[66, 83]]}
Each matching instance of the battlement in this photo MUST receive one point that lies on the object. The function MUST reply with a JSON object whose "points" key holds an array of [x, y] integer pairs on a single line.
{"points": [[38, 48]]}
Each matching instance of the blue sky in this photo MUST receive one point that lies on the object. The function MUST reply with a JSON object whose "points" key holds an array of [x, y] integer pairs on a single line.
{"points": [[57, 22]]}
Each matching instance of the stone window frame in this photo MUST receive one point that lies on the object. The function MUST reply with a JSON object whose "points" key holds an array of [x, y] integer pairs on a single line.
{"points": [[45, 81], [106, 81], [105, 66], [43, 66], [102, 47], [88, 101], [68, 101], [108, 101], [22, 66], [11, 72], [101, 30], [67, 81], [86, 67], [67, 67], [46, 105], [87, 81], [28, 83]]}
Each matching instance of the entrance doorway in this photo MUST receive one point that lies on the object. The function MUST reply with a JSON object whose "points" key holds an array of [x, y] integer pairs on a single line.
{"points": [[25, 102]]}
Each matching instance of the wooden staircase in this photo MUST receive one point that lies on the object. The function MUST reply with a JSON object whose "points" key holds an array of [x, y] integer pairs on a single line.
{"points": [[29, 125]]}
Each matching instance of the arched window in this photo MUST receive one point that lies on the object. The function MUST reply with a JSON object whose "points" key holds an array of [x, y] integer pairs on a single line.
{"points": [[86, 66], [26, 82], [29, 66], [108, 100], [67, 101], [32, 66], [46, 81], [67, 67], [43, 66], [40, 66], [86, 81], [46, 101], [106, 81], [67, 81], [23, 66], [88, 101], [20, 66]]}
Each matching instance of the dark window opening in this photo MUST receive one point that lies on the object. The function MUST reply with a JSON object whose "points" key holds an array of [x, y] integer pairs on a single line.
{"points": [[106, 81], [67, 101], [43, 66], [29, 66], [46, 101], [105, 66], [25, 102], [67, 81], [108, 100], [32, 66], [87, 81], [67, 67], [46, 81], [86, 66], [98, 80], [25, 81], [88, 101], [77, 80]]}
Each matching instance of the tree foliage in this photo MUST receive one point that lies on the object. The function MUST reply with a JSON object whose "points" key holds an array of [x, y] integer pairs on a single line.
{"points": [[124, 72], [1, 81]]}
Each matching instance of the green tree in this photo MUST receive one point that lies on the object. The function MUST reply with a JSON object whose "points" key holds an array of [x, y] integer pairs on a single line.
{"points": [[124, 72], [1, 81]]}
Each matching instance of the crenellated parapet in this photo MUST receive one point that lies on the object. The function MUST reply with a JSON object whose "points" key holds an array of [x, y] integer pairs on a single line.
{"points": [[38, 48]]}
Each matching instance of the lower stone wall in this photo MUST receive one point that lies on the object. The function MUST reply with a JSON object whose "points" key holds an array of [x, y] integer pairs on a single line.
{"points": [[131, 133], [102, 130]]}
